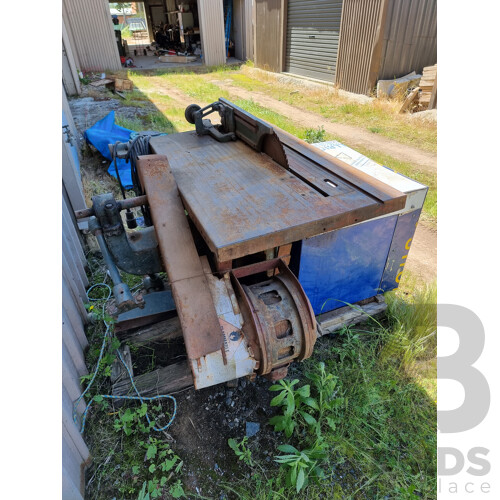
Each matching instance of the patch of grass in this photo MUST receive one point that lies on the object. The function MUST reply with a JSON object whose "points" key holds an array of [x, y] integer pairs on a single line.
{"points": [[412, 323], [160, 122], [140, 80], [126, 453], [131, 123], [272, 117], [195, 86], [381, 114], [136, 98], [315, 135]]}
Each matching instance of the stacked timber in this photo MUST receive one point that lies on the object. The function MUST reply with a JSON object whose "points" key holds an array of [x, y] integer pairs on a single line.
{"points": [[425, 95], [428, 87]]}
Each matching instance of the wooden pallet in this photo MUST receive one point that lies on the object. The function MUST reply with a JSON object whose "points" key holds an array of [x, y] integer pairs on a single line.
{"points": [[350, 315], [177, 376], [164, 380]]}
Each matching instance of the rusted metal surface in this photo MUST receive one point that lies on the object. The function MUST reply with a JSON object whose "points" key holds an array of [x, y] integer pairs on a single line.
{"points": [[138, 201], [190, 290], [236, 359], [158, 306], [278, 320], [243, 202]]}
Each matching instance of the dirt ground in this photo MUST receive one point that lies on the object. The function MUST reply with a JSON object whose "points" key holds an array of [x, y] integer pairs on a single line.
{"points": [[422, 259]]}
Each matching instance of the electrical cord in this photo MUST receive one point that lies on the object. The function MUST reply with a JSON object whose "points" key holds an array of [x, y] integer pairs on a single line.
{"points": [[140, 398]]}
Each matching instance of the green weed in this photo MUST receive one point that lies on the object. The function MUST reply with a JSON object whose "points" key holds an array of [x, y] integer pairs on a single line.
{"points": [[144, 460], [241, 450], [315, 135]]}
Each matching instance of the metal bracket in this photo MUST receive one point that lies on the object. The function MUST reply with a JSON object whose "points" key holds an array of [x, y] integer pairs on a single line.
{"points": [[237, 123], [223, 133], [134, 252]]}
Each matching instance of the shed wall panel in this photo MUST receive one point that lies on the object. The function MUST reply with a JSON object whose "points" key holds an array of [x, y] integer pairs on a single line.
{"points": [[384, 39], [211, 16], [360, 35], [249, 30], [410, 37], [75, 453], [269, 35], [91, 28]]}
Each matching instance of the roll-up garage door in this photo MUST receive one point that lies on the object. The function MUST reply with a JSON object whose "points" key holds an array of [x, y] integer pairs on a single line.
{"points": [[312, 38]]}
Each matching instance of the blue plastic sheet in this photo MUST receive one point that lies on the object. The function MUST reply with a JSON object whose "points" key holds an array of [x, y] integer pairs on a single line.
{"points": [[106, 132]]}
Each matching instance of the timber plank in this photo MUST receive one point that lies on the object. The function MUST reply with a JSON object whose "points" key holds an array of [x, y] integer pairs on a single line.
{"points": [[344, 316], [161, 381], [159, 332]]}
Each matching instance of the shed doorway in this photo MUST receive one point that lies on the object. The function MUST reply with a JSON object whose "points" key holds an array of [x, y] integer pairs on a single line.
{"points": [[312, 38]]}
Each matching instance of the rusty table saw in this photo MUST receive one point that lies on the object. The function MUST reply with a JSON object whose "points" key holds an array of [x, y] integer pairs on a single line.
{"points": [[243, 202], [226, 203]]}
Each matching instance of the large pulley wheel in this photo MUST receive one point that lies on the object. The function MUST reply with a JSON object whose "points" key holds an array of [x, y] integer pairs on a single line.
{"points": [[190, 111], [279, 322]]}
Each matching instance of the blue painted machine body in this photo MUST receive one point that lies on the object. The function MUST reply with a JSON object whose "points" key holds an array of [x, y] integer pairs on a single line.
{"points": [[354, 263]]}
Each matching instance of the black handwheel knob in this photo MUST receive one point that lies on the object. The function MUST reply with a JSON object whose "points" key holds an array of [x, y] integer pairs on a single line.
{"points": [[190, 111]]}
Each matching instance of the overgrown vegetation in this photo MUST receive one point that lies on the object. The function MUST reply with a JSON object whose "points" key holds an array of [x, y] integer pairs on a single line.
{"points": [[354, 419], [361, 426], [128, 456]]}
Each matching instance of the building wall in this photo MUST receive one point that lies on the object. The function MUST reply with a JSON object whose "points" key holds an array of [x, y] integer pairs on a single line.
{"points": [[269, 27], [70, 62], [410, 37], [75, 454], [211, 16], [360, 47], [89, 25], [379, 39], [384, 39], [249, 29]]}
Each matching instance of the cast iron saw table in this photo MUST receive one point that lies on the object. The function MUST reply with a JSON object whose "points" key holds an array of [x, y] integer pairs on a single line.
{"points": [[243, 202]]}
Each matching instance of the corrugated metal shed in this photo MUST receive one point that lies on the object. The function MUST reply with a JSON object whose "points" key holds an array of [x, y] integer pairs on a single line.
{"points": [[91, 35], [360, 47], [410, 37], [312, 38], [211, 16], [383, 39], [379, 39], [269, 29], [75, 454], [69, 64], [249, 29]]}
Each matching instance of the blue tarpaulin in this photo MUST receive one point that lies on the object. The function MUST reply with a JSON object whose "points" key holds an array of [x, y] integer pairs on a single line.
{"points": [[106, 132]]}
